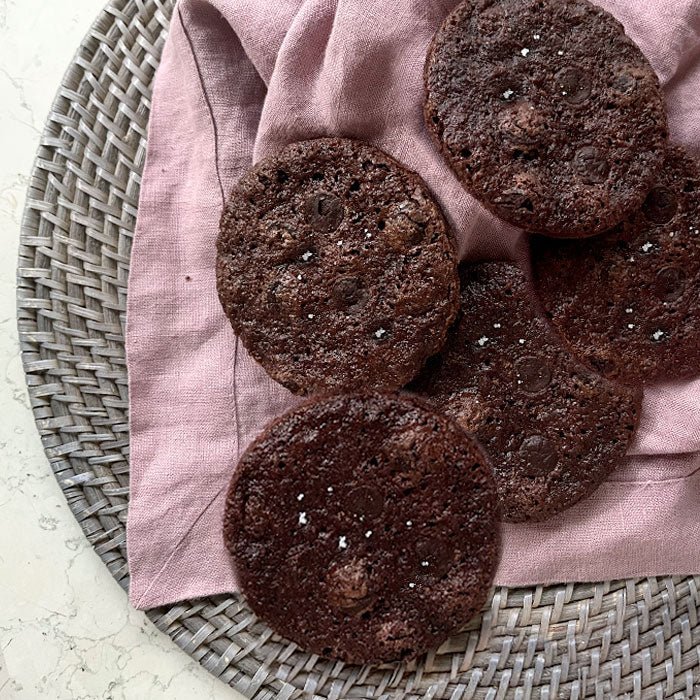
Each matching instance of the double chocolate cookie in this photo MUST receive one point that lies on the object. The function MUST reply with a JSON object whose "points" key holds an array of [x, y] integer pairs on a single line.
{"points": [[553, 428], [547, 112], [364, 527], [335, 268], [628, 302]]}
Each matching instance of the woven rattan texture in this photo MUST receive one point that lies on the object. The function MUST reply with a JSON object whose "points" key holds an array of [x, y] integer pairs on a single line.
{"points": [[607, 640]]}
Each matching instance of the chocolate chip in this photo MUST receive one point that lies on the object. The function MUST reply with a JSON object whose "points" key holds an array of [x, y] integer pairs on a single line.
{"points": [[515, 200], [602, 364], [324, 211], [434, 556], [521, 123], [402, 233], [349, 586], [591, 166], [669, 283], [660, 205], [538, 455], [348, 293], [533, 374], [624, 83], [363, 500], [574, 85]]}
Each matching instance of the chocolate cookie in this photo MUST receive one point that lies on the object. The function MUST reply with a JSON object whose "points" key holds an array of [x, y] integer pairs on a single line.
{"points": [[335, 268], [546, 111], [364, 527], [628, 302], [553, 428]]}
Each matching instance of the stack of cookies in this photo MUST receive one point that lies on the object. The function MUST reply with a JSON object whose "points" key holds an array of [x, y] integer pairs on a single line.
{"points": [[444, 399]]}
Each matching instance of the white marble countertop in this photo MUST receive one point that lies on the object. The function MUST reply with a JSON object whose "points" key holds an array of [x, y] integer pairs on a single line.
{"points": [[66, 629]]}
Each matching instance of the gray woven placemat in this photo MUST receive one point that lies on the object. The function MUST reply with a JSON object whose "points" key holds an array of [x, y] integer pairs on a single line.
{"points": [[633, 639]]}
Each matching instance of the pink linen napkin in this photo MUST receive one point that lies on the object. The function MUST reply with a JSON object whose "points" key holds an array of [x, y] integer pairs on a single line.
{"points": [[240, 79]]}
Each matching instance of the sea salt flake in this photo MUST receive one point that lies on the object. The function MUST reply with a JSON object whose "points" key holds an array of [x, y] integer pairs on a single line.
{"points": [[522, 341], [536, 37], [411, 585], [303, 520], [524, 52], [299, 277], [300, 497], [560, 53], [330, 489], [368, 533], [339, 243], [508, 94], [629, 310], [425, 563], [380, 333], [307, 256], [368, 235], [482, 341], [496, 325], [631, 326], [409, 523], [342, 542], [311, 316], [647, 247], [564, 92], [671, 235], [657, 335]]}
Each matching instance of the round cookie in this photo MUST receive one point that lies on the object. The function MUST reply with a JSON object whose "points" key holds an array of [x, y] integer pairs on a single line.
{"points": [[364, 527], [553, 428], [335, 268], [546, 111], [628, 302]]}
